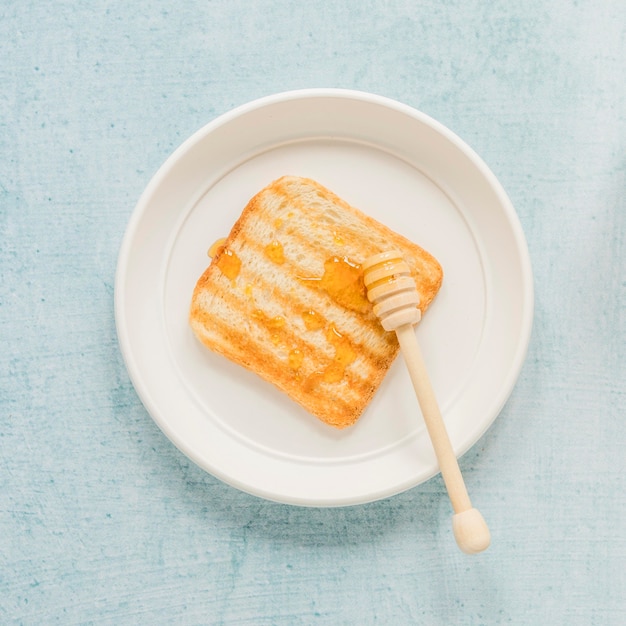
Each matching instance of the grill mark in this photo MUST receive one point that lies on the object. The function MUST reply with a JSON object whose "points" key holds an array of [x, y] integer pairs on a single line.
{"points": [[353, 238], [281, 375], [373, 357], [301, 277], [315, 359], [294, 302]]}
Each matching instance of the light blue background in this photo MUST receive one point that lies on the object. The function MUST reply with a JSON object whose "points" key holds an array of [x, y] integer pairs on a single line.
{"points": [[102, 520]]}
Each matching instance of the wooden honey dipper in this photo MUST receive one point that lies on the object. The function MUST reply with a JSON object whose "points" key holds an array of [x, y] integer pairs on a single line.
{"points": [[392, 290]]}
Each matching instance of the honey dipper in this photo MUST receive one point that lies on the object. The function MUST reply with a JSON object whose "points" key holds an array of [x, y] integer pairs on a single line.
{"points": [[392, 290]]}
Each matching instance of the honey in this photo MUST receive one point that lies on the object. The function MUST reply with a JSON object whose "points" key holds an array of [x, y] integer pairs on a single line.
{"points": [[313, 320], [295, 359], [216, 247], [382, 281], [335, 371], [275, 253], [338, 239], [276, 322], [274, 325], [342, 280], [312, 381], [344, 355], [229, 263]]}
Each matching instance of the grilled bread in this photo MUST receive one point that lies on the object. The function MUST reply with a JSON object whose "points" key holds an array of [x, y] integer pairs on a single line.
{"points": [[284, 297]]}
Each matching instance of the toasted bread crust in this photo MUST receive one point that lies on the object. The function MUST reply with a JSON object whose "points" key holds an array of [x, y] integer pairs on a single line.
{"points": [[249, 305]]}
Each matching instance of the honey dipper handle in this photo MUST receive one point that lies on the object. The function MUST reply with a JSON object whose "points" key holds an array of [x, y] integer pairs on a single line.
{"points": [[470, 530], [434, 422]]}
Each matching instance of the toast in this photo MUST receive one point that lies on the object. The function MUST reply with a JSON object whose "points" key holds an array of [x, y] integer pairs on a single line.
{"points": [[284, 297]]}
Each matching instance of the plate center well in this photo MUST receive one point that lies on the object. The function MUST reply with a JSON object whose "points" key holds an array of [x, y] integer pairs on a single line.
{"points": [[393, 192]]}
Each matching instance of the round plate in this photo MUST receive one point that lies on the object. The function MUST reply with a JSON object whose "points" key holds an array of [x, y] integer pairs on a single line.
{"points": [[395, 164]]}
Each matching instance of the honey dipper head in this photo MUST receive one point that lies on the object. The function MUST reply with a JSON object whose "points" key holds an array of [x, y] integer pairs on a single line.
{"points": [[391, 289]]}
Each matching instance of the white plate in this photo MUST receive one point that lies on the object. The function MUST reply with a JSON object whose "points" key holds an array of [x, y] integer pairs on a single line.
{"points": [[399, 166]]}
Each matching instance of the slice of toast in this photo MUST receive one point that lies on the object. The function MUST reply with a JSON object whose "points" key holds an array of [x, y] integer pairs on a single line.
{"points": [[284, 297]]}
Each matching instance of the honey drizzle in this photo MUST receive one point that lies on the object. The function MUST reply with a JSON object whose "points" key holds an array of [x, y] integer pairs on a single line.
{"points": [[295, 359], [275, 253], [274, 325], [334, 372], [317, 321], [229, 263], [344, 355], [338, 238], [342, 280], [313, 320], [216, 247], [382, 281]]}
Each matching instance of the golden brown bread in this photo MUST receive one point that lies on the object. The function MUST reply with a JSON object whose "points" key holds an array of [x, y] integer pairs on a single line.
{"points": [[284, 297]]}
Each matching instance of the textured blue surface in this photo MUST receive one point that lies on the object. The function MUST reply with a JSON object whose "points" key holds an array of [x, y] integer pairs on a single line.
{"points": [[102, 520]]}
